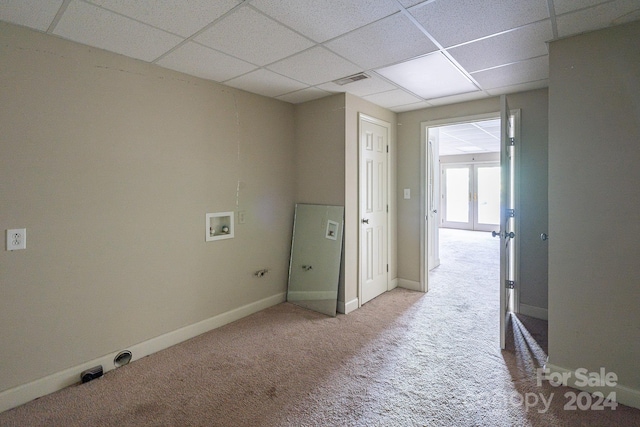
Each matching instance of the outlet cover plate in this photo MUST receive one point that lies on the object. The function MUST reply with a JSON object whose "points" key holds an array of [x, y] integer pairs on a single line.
{"points": [[16, 239]]}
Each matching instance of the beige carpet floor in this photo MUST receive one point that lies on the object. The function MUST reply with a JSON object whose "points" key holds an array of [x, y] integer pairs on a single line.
{"points": [[403, 359]]}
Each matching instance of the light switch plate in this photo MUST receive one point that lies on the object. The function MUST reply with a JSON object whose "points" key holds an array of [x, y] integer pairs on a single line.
{"points": [[407, 193], [16, 239]]}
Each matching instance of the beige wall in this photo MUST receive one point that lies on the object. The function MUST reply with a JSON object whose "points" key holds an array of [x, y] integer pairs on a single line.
{"points": [[594, 227], [327, 170], [111, 165], [533, 185]]}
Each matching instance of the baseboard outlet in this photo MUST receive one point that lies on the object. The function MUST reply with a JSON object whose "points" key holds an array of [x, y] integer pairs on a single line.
{"points": [[624, 395], [409, 284], [27, 392], [537, 312]]}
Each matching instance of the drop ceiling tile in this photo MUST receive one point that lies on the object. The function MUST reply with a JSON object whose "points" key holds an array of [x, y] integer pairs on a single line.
{"points": [[564, 6], [392, 98], [517, 45], [614, 13], [315, 66], [410, 107], [519, 88], [265, 82], [384, 42], [409, 3], [430, 76], [36, 14], [251, 36], [531, 70], [304, 95], [182, 17], [197, 60], [457, 21], [100, 28], [373, 84], [326, 19], [454, 99]]}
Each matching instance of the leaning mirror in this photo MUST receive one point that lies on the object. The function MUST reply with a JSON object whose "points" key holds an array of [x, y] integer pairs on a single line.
{"points": [[316, 251]]}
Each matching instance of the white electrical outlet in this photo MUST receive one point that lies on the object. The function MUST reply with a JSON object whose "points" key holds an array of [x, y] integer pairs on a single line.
{"points": [[16, 239], [241, 217]]}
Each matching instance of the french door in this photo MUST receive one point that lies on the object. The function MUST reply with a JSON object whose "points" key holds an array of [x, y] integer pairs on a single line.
{"points": [[471, 196]]}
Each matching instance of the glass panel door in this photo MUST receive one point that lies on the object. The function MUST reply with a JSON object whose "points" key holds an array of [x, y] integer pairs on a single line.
{"points": [[457, 196], [487, 197]]}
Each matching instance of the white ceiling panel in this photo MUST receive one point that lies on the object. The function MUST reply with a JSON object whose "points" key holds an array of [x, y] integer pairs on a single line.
{"points": [[454, 99], [36, 14], [392, 98], [410, 107], [616, 12], [326, 19], [430, 76], [531, 70], [564, 6], [261, 41], [197, 60], [182, 17], [315, 66], [303, 95], [266, 83], [98, 27], [373, 84], [523, 43], [523, 87], [384, 42], [458, 21]]}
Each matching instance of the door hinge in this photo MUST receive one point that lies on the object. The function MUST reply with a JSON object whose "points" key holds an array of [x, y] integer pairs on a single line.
{"points": [[512, 141], [387, 208], [387, 148], [511, 213], [509, 284]]}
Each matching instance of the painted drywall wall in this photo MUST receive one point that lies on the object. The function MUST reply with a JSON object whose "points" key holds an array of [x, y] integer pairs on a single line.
{"points": [[111, 164], [533, 187], [594, 226], [327, 171]]}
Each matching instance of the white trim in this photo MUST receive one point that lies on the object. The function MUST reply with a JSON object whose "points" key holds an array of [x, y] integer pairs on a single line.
{"points": [[365, 117], [346, 308], [393, 284], [625, 395], [537, 312], [27, 392], [410, 284]]}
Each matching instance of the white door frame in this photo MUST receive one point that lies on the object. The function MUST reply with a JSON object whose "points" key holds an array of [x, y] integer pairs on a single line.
{"points": [[364, 117], [424, 134]]}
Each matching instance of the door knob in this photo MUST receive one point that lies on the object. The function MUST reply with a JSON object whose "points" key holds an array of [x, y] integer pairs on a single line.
{"points": [[365, 220], [496, 234], [544, 237], [510, 234]]}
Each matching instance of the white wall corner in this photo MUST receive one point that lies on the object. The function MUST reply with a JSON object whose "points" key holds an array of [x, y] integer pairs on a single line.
{"points": [[27, 392], [624, 395], [409, 284], [531, 311]]}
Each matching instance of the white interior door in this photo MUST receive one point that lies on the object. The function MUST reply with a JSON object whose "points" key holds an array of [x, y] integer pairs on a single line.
{"points": [[374, 141], [433, 200], [508, 230]]}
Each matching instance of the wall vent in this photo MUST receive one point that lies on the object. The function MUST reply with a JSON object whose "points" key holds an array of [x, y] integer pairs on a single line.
{"points": [[350, 79]]}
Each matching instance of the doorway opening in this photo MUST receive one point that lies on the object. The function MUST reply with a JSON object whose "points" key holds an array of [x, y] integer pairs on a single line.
{"points": [[469, 173]]}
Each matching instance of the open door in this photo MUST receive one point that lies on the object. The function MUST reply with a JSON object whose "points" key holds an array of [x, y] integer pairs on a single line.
{"points": [[507, 231]]}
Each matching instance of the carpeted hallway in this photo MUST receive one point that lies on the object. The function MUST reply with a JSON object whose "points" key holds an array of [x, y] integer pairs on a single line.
{"points": [[403, 359]]}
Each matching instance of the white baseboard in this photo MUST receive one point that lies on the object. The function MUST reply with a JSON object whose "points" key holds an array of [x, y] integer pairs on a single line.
{"points": [[625, 395], [409, 284], [393, 284], [537, 312], [25, 393], [347, 307]]}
